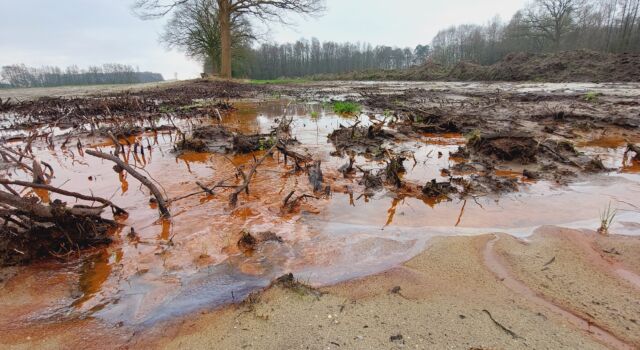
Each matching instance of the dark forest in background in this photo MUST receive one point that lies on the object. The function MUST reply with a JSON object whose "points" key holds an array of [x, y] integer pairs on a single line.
{"points": [[304, 58], [21, 76], [543, 26]]}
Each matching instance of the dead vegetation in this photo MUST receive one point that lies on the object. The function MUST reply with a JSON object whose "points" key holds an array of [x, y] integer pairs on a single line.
{"points": [[33, 226], [533, 134]]}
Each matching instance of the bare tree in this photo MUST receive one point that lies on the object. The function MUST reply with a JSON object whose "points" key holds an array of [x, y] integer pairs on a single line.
{"points": [[194, 28], [230, 11], [552, 19]]}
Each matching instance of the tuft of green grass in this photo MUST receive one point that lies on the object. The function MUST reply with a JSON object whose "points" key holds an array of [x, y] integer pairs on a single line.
{"points": [[473, 137], [346, 107], [265, 144], [591, 96], [606, 219]]}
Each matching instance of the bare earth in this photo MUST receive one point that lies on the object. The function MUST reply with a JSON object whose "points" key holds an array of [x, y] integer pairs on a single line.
{"points": [[558, 288], [445, 297], [75, 91]]}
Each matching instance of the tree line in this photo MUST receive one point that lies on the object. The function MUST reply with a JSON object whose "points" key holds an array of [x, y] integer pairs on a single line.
{"points": [[544, 26], [304, 57], [22, 76]]}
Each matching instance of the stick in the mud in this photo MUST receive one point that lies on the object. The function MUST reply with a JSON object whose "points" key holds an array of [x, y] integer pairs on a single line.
{"points": [[315, 176], [38, 174], [233, 198], [162, 206]]}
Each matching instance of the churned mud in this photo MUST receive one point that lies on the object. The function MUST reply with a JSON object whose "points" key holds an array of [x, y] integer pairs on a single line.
{"points": [[251, 216]]}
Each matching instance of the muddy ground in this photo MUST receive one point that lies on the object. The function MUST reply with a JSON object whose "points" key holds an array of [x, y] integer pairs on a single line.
{"points": [[431, 219]]}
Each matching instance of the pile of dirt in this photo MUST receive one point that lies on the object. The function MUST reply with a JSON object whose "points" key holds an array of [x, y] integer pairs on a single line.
{"points": [[217, 138], [566, 66], [506, 147], [359, 140]]}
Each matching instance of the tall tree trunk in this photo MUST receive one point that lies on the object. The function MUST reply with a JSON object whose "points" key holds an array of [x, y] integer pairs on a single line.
{"points": [[225, 38]]}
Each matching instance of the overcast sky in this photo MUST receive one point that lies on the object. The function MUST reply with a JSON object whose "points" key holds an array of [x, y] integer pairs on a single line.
{"points": [[85, 32]]}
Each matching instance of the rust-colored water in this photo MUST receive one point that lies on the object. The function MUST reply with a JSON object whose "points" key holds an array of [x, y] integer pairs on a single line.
{"points": [[191, 261]]}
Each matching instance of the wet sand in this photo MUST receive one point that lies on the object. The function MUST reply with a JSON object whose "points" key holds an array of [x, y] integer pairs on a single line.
{"points": [[452, 295], [444, 299]]}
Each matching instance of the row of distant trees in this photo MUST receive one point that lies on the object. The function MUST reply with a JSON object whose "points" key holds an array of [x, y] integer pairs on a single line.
{"points": [[21, 76], [196, 27], [313, 57], [545, 26]]}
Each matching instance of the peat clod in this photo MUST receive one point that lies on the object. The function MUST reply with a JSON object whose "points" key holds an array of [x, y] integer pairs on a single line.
{"points": [[393, 171], [348, 168], [316, 178], [288, 281], [218, 138], [435, 189], [247, 243], [371, 181], [492, 184], [506, 147], [359, 139], [250, 242], [252, 143], [631, 148], [5, 105], [530, 174]]}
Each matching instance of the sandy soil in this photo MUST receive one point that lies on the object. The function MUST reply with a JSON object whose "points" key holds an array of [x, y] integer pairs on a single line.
{"points": [[441, 302], [449, 296]]}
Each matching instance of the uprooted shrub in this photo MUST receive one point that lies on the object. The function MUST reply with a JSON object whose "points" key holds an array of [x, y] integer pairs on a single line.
{"points": [[31, 231]]}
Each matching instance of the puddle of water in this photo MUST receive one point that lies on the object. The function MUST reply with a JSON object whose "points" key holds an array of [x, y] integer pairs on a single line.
{"points": [[192, 261]]}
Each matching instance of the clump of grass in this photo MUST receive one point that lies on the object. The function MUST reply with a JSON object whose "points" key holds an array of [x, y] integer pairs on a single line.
{"points": [[591, 96], [314, 115], [265, 144], [606, 219], [346, 107], [473, 137], [289, 282]]}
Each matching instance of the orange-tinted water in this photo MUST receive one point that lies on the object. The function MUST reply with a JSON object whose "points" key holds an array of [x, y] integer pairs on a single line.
{"points": [[191, 261]]}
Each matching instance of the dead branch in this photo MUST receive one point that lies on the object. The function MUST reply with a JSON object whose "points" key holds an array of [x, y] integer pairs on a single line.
{"points": [[315, 176], [233, 198], [46, 211], [162, 206], [116, 209], [290, 204]]}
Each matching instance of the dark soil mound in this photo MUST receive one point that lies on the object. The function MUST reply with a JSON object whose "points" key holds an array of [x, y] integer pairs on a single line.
{"points": [[520, 148], [567, 66]]}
